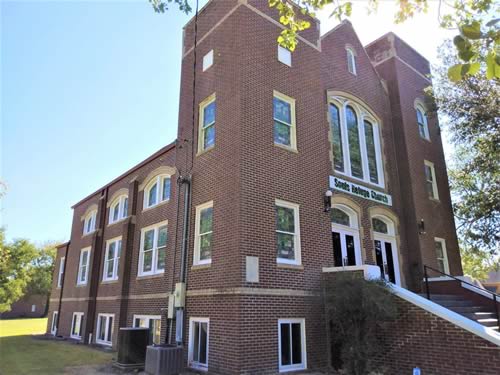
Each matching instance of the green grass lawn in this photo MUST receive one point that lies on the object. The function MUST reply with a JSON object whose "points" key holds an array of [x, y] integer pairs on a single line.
{"points": [[20, 354]]}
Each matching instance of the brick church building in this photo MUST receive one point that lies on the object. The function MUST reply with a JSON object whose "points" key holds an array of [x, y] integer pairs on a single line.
{"points": [[291, 164]]}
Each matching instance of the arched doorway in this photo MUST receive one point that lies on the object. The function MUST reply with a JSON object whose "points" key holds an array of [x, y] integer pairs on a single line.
{"points": [[345, 236], [386, 254]]}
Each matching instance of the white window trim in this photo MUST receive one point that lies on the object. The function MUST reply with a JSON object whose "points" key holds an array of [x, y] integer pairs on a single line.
{"points": [[201, 119], [159, 180], [154, 268], [351, 56], [120, 201], [92, 217], [293, 125], [296, 217], [79, 282], [53, 326], [208, 60], [362, 116], [191, 343], [435, 191], [116, 262], [197, 234], [445, 254], [419, 107], [98, 330], [61, 272], [292, 367], [80, 314], [148, 318], [284, 56]]}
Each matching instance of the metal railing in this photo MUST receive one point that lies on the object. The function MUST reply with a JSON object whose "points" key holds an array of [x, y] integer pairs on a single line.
{"points": [[496, 297]]}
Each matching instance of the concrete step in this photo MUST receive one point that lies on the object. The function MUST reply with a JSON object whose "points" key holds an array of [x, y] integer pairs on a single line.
{"points": [[488, 322], [455, 303]]}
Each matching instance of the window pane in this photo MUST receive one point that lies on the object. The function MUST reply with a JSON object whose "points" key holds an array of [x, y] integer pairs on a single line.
{"points": [[203, 343], [102, 328], [109, 334], [209, 137], [209, 114], [162, 236], [282, 134], [196, 341], [147, 263], [156, 331], [161, 259], [152, 195], [286, 248], [340, 217], [125, 207], [296, 344], [285, 219], [206, 220], [354, 147], [439, 249], [440, 263], [379, 226], [116, 211], [285, 344], [370, 151], [166, 189], [338, 152], [282, 111], [109, 269], [206, 246], [148, 239]]}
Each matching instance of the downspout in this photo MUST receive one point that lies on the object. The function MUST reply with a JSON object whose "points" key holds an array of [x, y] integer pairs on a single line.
{"points": [[62, 287]]}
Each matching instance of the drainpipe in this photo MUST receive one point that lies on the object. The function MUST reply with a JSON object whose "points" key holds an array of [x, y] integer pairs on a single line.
{"points": [[180, 287]]}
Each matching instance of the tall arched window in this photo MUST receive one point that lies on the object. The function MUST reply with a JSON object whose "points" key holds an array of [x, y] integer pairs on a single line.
{"points": [[386, 253], [157, 191], [89, 221], [356, 141], [118, 209], [351, 61], [423, 128], [345, 236]]}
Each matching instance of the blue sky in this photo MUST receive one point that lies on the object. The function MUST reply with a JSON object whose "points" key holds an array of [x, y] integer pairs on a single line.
{"points": [[83, 82]]}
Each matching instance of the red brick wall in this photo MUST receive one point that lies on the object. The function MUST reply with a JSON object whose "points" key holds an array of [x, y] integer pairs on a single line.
{"points": [[23, 307]]}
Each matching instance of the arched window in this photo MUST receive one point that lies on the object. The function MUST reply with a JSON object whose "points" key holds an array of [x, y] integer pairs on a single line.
{"points": [[423, 128], [356, 144], [345, 236], [351, 61], [118, 209], [89, 222], [157, 191], [379, 226]]}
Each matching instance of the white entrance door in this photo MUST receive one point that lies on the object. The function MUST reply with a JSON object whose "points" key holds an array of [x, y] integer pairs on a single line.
{"points": [[387, 258], [346, 248]]}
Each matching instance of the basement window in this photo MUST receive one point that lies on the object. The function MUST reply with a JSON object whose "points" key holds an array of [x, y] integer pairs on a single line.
{"points": [[198, 343], [76, 325], [153, 322], [292, 344], [284, 56], [105, 329], [208, 60]]}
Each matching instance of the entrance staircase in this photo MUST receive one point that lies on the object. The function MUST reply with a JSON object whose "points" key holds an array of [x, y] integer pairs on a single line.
{"points": [[484, 315]]}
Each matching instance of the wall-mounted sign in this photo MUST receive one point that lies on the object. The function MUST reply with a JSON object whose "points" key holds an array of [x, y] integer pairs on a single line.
{"points": [[359, 191]]}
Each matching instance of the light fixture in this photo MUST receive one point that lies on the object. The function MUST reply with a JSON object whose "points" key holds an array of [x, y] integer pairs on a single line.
{"points": [[421, 227], [327, 200]]}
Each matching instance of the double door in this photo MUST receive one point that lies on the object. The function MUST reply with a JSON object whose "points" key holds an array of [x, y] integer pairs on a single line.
{"points": [[387, 259], [346, 248]]}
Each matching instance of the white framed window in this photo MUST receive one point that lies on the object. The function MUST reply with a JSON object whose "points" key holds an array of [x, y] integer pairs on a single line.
{"points": [[61, 272], [83, 266], [112, 259], [441, 255], [208, 60], [284, 56], [423, 127], [203, 233], [118, 209], [198, 343], [53, 326], [104, 333], [351, 60], [206, 132], [287, 232], [76, 325], [89, 223], [157, 191], [430, 180], [292, 345], [153, 249], [33, 308], [284, 121], [153, 322], [356, 145]]}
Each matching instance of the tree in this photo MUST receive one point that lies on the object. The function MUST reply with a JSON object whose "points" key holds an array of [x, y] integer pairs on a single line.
{"points": [[42, 268], [477, 43], [15, 269], [476, 263], [470, 111]]}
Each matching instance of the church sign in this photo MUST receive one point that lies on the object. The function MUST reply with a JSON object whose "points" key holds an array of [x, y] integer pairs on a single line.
{"points": [[344, 186]]}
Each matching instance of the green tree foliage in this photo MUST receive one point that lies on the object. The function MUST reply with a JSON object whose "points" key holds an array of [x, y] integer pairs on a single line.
{"points": [[42, 268], [476, 263], [476, 22], [470, 111], [358, 312]]}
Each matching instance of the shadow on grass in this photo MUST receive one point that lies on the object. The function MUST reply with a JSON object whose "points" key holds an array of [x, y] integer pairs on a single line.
{"points": [[26, 355]]}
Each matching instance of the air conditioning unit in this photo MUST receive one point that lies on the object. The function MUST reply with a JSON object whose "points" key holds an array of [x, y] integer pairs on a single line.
{"points": [[132, 345], [164, 360]]}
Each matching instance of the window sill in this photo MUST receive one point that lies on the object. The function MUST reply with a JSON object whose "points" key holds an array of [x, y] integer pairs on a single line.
{"points": [[162, 203], [106, 343], [201, 266], [288, 148], [290, 266], [425, 139], [198, 368], [357, 180], [79, 338], [89, 233], [119, 221], [81, 285], [110, 281], [151, 276], [435, 200], [205, 150]]}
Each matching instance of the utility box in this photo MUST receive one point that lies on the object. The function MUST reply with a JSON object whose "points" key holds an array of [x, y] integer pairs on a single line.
{"points": [[171, 308], [132, 345], [164, 360], [180, 294]]}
